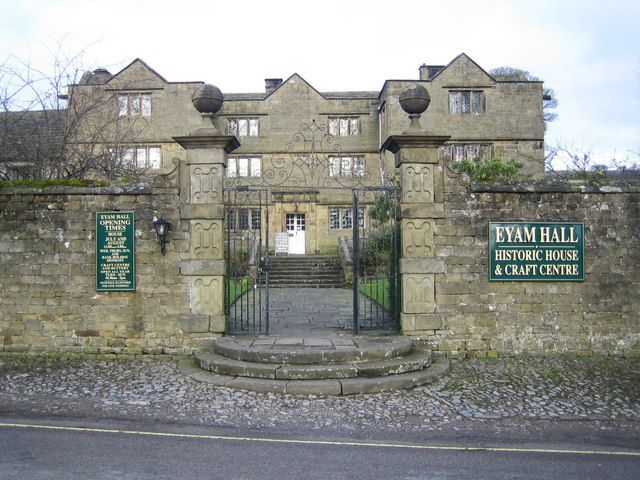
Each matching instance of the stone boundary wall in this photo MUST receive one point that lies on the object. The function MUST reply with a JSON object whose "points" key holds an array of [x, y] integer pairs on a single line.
{"points": [[47, 275], [597, 316], [49, 301]]}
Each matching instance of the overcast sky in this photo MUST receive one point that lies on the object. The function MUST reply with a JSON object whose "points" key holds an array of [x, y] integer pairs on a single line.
{"points": [[587, 51]]}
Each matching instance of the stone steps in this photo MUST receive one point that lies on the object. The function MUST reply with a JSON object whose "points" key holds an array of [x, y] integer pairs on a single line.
{"points": [[319, 366], [310, 271], [312, 350]]}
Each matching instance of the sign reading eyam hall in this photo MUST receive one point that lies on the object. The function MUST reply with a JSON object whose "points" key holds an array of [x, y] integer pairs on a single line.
{"points": [[527, 252], [115, 252]]}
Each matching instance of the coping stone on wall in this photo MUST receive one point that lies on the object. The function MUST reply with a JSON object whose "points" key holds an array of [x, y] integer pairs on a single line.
{"points": [[141, 188], [610, 182]]}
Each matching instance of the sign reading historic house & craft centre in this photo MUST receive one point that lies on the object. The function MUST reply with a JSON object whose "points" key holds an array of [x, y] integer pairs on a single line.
{"points": [[520, 251], [115, 252]]}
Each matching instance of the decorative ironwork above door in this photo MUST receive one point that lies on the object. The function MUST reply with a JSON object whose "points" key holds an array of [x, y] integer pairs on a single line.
{"points": [[312, 159]]}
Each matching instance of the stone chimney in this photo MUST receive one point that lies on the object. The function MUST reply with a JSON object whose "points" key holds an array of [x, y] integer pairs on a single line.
{"points": [[427, 72], [270, 84]]}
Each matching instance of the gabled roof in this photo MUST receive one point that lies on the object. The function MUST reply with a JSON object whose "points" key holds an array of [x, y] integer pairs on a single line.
{"points": [[356, 95], [144, 64], [456, 60], [286, 82]]}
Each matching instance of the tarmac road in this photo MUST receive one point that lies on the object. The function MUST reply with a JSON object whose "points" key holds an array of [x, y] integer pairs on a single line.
{"points": [[50, 448]]}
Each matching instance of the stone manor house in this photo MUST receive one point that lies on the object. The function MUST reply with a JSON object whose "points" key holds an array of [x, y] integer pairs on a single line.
{"points": [[291, 121]]}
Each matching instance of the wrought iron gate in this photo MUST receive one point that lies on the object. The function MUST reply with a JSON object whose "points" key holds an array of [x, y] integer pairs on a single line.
{"points": [[376, 257], [247, 259]]}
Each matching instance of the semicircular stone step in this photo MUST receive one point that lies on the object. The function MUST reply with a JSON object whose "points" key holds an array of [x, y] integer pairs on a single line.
{"points": [[307, 351], [346, 386], [222, 365]]}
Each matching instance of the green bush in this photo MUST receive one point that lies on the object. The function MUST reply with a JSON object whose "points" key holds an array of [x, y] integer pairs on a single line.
{"points": [[377, 247], [490, 170]]}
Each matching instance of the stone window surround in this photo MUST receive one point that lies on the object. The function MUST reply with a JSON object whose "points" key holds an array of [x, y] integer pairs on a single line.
{"points": [[244, 219], [134, 104], [132, 155], [341, 166], [341, 218], [449, 151], [476, 102], [253, 165], [247, 124], [344, 126]]}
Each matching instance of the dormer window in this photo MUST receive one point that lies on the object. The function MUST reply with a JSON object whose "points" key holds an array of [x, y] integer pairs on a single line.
{"points": [[243, 127], [134, 105], [466, 102]]}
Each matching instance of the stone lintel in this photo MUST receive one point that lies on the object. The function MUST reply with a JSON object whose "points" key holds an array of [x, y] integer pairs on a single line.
{"points": [[395, 143], [412, 322], [202, 140], [208, 211], [422, 265], [422, 210], [202, 267]]}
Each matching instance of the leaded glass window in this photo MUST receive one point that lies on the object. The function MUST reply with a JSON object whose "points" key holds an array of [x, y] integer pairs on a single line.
{"points": [[466, 102], [134, 104], [141, 157], [334, 166], [465, 151], [232, 126], [334, 218], [354, 126], [347, 217], [231, 167], [358, 166], [243, 167], [243, 219], [123, 105], [477, 103], [243, 126], [344, 126], [255, 219], [253, 127], [333, 127], [155, 160], [255, 167]]}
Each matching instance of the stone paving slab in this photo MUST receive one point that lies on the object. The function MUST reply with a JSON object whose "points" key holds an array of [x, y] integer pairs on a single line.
{"points": [[299, 311]]}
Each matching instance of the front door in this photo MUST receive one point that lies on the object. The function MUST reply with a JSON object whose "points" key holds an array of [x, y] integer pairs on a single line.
{"points": [[296, 231]]}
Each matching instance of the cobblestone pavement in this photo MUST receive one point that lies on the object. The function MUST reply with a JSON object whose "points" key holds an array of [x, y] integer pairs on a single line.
{"points": [[476, 390]]}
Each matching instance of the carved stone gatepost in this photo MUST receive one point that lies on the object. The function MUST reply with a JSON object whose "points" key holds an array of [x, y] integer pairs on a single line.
{"points": [[422, 197], [203, 208]]}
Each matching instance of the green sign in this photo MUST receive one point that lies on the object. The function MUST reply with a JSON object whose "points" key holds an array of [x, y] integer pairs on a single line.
{"points": [[540, 252], [115, 252]]}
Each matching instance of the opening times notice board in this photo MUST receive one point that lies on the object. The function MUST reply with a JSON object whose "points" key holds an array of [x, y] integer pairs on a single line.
{"points": [[115, 252]]}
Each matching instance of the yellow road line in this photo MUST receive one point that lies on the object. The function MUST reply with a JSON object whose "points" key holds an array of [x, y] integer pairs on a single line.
{"points": [[323, 442]]}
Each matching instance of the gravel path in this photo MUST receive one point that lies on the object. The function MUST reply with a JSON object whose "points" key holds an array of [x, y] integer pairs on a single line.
{"points": [[596, 389]]}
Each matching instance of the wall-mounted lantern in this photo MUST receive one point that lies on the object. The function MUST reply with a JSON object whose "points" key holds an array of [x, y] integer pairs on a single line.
{"points": [[162, 228]]}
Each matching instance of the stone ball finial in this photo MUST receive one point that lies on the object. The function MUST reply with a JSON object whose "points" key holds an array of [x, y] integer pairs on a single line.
{"points": [[414, 100], [207, 98]]}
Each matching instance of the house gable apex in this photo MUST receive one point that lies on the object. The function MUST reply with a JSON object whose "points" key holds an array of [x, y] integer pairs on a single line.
{"points": [[465, 62], [137, 74]]}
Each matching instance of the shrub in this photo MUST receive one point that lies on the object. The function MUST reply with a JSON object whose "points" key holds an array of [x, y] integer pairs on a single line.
{"points": [[490, 170]]}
